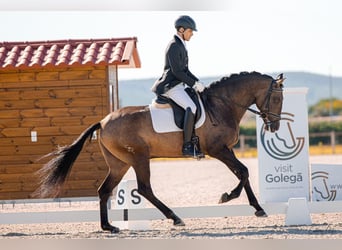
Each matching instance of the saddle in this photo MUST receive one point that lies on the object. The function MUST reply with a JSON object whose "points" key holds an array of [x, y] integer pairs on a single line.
{"points": [[178, 111]]}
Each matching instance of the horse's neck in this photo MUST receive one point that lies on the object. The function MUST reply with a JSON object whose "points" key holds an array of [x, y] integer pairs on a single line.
{"points": [[239, 110], [231, 102], [239, 97]]}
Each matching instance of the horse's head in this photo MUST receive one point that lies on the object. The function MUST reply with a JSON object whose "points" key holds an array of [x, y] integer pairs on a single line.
{"points": [[270, 104], [242, 90]]}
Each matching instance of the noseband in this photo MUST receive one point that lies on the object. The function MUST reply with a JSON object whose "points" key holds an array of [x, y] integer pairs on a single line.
{"points": [[265, 112]]}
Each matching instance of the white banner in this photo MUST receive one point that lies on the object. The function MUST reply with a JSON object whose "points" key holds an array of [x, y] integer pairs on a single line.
{"points": [[326, 182], [127, 196], [283, 156]]}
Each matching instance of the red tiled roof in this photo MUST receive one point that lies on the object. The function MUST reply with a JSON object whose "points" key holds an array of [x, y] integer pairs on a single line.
{"points": [[25, 55]]}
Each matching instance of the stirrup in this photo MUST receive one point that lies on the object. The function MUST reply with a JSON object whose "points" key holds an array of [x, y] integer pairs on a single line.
{"points": [[190, 149], [198, 153], [195, 142]]}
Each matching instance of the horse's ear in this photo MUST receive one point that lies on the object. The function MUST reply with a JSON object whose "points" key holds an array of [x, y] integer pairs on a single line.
{"points": [[280, 79], [280, 76]]}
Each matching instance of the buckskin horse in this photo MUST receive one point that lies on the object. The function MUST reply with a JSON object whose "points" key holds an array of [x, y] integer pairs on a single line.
{"points": [[127, 138]]}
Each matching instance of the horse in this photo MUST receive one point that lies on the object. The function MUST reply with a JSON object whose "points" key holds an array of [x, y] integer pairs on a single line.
{"points": [[127, 139]]}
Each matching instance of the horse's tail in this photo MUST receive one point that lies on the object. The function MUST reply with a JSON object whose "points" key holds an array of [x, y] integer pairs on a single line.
{"points": [[54, 173]]}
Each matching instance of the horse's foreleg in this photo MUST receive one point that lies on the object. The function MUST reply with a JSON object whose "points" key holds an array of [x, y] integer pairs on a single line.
{"points": [[144, 188], [253, 201], [242, 175], [241, 172], [227, 156]]}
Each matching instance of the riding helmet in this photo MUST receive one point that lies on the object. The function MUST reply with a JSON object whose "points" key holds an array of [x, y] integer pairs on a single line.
{"points": [[186, 22]]}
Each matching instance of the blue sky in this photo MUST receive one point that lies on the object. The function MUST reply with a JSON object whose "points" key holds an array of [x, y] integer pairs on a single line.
{"points": [[233, 36]]}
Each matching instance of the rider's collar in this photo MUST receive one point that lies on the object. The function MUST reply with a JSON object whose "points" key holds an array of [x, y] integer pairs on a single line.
{"points": [[181, 38]]}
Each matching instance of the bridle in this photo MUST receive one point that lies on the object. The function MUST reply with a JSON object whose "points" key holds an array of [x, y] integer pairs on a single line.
{"points": [[265, 112]]}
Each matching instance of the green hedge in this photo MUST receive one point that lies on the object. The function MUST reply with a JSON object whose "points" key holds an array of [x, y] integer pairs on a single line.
{"points": [[316, 127], [320, 127]]}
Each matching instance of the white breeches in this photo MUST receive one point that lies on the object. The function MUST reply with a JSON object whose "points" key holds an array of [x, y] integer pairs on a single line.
{"points": [[179, 96]]}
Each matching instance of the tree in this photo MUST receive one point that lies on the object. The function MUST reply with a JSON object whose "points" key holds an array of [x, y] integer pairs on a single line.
{"points": [[322, 108]]}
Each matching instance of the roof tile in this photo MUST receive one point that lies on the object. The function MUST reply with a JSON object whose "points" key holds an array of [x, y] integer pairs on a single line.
{"points": [[23, 55]]}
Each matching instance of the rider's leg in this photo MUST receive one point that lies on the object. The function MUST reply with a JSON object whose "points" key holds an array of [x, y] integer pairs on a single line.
{"points": [[189, 148], [179, 96]]}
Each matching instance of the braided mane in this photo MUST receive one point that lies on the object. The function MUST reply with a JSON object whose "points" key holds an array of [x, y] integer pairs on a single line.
{"points": [[233, 77], [213, 95]]}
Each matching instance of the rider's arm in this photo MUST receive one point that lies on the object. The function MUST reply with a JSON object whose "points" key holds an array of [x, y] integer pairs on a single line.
{"points": [[178, 63]]}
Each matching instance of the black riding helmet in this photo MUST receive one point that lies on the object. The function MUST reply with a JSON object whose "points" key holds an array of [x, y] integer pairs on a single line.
{"points": [[186, 22]]}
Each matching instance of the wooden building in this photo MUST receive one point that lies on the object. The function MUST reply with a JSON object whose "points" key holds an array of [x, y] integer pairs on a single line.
{"points": [[49, 93]]}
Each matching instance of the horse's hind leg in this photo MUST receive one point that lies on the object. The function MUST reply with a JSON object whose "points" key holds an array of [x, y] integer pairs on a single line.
{"points": [[117, 170], [142, 170]]}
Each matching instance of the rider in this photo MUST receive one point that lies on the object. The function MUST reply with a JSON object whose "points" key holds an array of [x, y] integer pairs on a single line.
{"points": [[176, 77]]}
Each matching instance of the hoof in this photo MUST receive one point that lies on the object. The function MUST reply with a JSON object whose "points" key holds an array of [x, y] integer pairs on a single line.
{"points": [[224, 198], [115, 230], [260, 213], [111, 229], [178, 223]]}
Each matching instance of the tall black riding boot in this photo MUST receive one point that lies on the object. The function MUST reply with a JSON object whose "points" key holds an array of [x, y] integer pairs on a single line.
{"points": [[189, 149]]}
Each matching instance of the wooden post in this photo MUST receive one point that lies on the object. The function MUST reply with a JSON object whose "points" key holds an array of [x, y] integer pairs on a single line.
{"points": [[333, 141], [113, 87], [242, 145]]}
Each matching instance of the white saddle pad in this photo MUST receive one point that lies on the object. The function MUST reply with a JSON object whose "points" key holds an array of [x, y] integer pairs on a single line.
{"points": [[163, 121]]}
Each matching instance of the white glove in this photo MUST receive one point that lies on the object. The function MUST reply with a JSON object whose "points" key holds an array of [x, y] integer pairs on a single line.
{"points": [[199, 87]]}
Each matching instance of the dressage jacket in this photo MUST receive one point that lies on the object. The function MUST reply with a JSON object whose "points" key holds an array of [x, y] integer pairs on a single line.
{"points": [[175, 69]]}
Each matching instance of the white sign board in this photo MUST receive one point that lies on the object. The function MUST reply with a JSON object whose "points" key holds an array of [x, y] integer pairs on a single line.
{"points": [[326, 182], [127, 197], [283, 156]]}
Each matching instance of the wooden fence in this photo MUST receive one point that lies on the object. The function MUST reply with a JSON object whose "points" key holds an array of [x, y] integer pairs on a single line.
{"points": [[331, 139]]}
